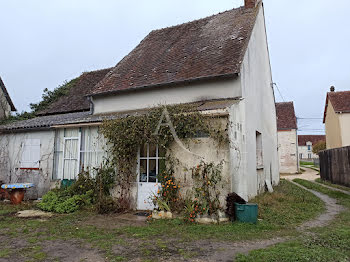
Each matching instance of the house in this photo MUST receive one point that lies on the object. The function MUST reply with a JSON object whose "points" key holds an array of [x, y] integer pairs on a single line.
{"points": [[306, 143], [29, 149], [6, 104], [219, 65], [287, 137], [337, 119]]}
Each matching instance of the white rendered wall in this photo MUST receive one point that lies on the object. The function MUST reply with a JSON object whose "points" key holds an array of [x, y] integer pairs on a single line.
{"points": [[288, 151], [305, 152], [11, 154], [260, 112], [167, 95]]}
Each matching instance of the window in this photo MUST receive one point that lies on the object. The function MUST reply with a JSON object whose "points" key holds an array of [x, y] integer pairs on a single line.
{"points": [[77, 149], [151, 162], [309, 156], [30, 154], [259, 150], [91, 149], [309, 147], [301, 156]]}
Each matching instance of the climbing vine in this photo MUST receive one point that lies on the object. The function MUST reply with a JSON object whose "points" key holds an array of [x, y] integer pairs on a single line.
{"points": [[126, 135]]}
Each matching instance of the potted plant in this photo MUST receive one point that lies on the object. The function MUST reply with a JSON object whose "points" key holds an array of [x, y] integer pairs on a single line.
{"points": [[163, 211]]}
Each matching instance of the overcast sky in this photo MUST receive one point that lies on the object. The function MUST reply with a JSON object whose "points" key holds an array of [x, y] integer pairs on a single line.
{"points": [[43, 43]]}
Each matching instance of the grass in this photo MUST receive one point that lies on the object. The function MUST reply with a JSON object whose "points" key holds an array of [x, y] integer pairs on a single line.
{"points": [[330, 243], [309, 165], [319, 180], [305, 163], [279, 213]]}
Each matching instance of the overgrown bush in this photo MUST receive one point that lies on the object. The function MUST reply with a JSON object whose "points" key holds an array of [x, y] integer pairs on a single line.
{"points": [[60, 201], [87, 190]]}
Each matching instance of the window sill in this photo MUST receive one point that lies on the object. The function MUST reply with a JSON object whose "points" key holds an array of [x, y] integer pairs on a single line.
{"points": [[28, 168], [259, 167]]}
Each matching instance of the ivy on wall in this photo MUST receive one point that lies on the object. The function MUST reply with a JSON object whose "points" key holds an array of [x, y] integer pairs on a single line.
{"points": [[127, 134]]}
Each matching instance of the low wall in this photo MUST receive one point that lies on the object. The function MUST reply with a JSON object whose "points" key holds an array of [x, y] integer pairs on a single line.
{"points": [[335, 165]]}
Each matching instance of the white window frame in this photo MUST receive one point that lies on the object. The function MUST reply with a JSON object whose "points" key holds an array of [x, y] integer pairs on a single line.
{"points": [[148, 158]]}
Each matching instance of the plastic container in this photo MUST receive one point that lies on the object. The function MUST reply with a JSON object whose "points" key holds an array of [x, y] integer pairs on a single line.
{"points": [[246, 213], [66, 183]]}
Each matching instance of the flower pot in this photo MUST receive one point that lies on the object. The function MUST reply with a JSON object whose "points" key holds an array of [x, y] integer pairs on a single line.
{"points": [[161, 215], [16, 196]]}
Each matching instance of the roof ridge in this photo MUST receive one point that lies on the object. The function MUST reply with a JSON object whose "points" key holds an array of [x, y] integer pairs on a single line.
{"points": [[335, 92], [196, 49], [199, 19]]}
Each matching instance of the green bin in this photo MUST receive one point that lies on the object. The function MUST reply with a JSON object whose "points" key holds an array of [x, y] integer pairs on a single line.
{"points": [[246, 213], [67, 183]]}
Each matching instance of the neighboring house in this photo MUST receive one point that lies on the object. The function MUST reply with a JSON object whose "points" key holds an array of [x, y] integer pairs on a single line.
{"points": [[219, 64], [287, 137], [6, 105], [306, 143], [337, 119]]}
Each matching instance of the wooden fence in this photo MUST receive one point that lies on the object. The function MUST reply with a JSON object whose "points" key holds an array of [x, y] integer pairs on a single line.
{"points": [[335, 165]]}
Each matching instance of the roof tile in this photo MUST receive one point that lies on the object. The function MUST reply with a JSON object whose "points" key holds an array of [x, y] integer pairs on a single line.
{"points": [[205, 48], [75, 100], [286, 118], [314, 139]]}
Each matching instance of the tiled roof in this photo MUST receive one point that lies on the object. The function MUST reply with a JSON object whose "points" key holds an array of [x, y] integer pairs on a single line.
{"points": [[286, 118], [340, 102], [314, 139], [7, 96], [203, 49], [48, 121], [75, 100]]}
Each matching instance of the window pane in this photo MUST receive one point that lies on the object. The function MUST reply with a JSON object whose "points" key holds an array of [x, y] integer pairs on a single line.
{"points": [[143, 151], [75, 151], [152, 150], [143, 170], [152, 171], [67, 148]]}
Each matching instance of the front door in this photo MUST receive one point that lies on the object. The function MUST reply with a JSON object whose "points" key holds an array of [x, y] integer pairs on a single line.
{"points": [[148, 168]]}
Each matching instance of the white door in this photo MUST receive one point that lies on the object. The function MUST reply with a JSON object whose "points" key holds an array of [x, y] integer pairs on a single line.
{"points": [[148, 168], [71, 158]]}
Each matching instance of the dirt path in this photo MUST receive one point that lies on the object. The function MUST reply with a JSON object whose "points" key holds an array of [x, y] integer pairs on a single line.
{"points": [[309, 175], [163, 249], [332, 210]]}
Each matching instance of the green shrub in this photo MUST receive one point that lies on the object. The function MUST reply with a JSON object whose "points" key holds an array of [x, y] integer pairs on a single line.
{"points": [[61, 202], [85, 191]]}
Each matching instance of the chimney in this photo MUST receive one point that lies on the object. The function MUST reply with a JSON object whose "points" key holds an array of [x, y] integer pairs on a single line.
{"points": [[332, 88], [250, 3]]}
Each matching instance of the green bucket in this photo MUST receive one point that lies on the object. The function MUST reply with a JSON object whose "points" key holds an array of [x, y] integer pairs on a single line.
{"points": [[246, 213], [66, 183]]}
